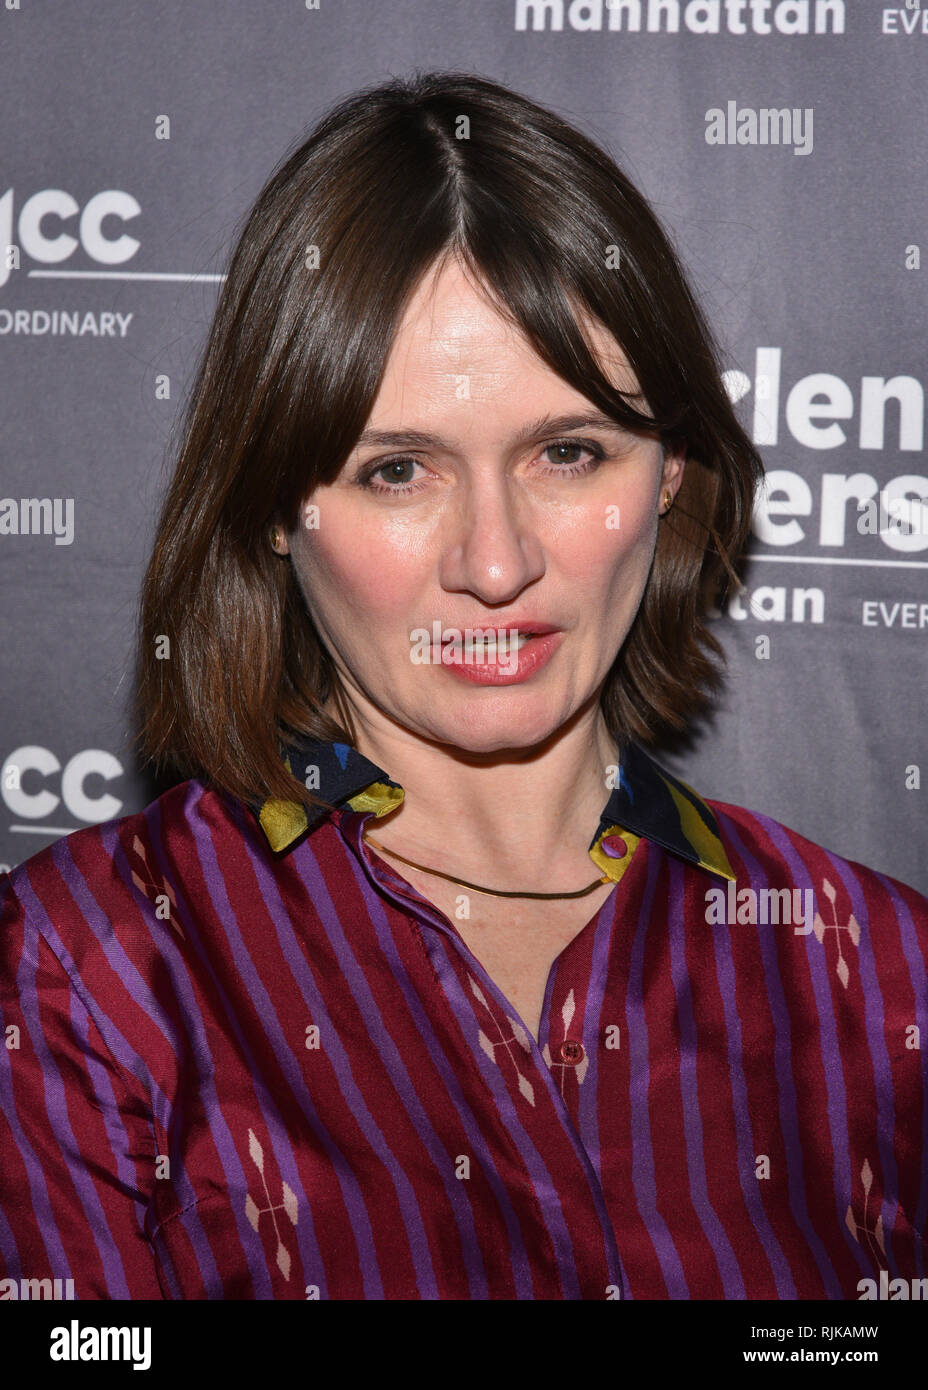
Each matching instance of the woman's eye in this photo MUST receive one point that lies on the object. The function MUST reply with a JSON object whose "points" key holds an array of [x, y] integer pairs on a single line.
{"points": [[565, 454], [396, 475], [397, 471]]}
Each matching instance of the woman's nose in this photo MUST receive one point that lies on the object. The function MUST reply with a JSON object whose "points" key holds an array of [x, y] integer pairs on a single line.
{"points": [[492, 547]]}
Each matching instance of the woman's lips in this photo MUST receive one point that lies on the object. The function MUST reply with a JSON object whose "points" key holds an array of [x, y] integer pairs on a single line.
{"points": [[510, 667]]}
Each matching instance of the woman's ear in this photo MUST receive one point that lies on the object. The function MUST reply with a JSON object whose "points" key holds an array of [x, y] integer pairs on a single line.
{"points": [[672, 470]]}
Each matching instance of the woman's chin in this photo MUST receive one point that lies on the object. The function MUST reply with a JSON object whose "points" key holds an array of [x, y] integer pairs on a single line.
{"points": [[491, 732]]}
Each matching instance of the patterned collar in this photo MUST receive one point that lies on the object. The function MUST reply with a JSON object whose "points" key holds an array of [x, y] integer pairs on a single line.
{"points": [[646, 802]]}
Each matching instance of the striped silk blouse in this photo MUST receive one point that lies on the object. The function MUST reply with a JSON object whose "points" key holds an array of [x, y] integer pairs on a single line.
{"points": [[245, 1059]]}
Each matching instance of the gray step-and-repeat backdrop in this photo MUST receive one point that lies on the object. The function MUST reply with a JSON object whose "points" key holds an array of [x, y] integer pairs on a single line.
{"points": [[783, 144]]}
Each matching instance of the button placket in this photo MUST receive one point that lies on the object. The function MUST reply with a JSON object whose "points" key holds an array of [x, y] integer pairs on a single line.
{"points": [[510, 1038], [567, 1057]]}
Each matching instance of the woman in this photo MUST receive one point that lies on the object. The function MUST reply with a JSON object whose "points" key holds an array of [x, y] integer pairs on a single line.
{"points": [[428, 981]]}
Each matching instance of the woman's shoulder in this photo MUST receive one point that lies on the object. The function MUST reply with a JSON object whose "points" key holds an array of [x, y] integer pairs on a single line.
{"points": [[100, 880], [768, 854]]}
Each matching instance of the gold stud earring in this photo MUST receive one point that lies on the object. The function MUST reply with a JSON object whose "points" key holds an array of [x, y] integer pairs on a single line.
{"points": [[276, 538], [667, 500]]}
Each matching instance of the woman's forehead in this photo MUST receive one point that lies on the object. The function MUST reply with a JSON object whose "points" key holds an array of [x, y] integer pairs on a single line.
{"points": [[453, 342]]}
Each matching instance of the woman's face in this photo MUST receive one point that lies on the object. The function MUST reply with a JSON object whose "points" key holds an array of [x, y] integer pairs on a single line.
{"points": [[466, 505]]}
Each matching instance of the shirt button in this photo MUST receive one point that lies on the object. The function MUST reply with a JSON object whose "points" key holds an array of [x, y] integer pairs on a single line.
{"points": [[614, 846], [571, 1051]]}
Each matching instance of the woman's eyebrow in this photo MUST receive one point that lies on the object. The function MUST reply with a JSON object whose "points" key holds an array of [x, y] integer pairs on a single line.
{"points": [[545, 425]]}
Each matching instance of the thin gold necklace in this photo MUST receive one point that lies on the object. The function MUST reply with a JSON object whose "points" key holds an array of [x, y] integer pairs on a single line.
{"points": [[494, 892]]}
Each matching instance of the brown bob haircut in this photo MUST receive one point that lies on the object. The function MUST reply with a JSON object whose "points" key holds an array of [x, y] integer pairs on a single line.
{"points": [[392, 180]]}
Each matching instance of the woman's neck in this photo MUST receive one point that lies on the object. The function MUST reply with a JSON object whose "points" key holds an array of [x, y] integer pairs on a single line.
{"points": [[500, 817]]}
